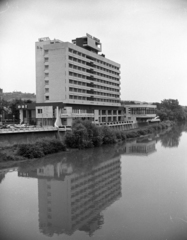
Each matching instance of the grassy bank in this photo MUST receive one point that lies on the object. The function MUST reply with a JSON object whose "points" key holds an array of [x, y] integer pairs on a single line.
{"points": [[37, 149], [83, 135]]}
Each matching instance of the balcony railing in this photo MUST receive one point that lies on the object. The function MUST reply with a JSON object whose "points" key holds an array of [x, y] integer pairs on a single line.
{"points": [[71, 115], [90, 98], [91, 64], [144, 115], [91, 91], [89, 57], [91, 71], [91, 77], [92, 85]]}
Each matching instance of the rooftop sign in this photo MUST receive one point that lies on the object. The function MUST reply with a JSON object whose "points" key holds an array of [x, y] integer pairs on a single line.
{"points": [[44, 39], [94, 38]]}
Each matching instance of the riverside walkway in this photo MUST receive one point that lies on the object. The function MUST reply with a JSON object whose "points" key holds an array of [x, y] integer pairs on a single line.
{"points": [[28, 130]]}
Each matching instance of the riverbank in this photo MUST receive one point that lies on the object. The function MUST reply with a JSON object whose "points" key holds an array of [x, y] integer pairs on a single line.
{"points": [[83, 135]]}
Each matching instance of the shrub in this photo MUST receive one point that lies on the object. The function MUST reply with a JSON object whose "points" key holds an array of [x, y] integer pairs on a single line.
{"points": [[97, 137], [94, 133], [30, 151], [156, 127], [84, 135], [132, 135], [123, 135], [142, 132], [70, 140], [151, 130], [40, 148], [118, 134], [81, 136], [49, 145], [108, 135]]}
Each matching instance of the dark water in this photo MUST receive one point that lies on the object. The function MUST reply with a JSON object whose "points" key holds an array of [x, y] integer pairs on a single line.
{"points": [[129, 191]]}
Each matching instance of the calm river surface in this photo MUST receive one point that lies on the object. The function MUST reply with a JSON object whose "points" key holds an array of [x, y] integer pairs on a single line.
{"points": [[136, 190]]}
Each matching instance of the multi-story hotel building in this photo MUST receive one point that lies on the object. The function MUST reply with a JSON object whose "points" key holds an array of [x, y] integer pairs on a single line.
{"points": [[74, 80], [75, 74]]}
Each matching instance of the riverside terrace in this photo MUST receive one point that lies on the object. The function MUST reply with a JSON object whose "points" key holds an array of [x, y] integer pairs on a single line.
{"points": [[13, 135], [18, 128]]}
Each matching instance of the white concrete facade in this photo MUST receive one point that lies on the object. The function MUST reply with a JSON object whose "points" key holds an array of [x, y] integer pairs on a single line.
{"points": [[69, 73]]}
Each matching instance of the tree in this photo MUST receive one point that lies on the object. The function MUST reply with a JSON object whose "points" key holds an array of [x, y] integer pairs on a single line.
{"points": [[8, 109], [169, 109]]}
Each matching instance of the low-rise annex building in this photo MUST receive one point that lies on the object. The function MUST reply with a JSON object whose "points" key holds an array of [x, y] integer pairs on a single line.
{"points": [[139, 112]]}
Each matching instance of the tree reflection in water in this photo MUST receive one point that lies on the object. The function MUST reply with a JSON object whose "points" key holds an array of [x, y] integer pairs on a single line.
{"points": [[2, 176], [172, 138]]}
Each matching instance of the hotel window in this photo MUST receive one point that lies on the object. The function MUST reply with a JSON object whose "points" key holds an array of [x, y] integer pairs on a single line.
{"points": [[46, 90], [75, 110], [46, 82], [40, 111], [45, 51], [83, 111], [46, 97]]}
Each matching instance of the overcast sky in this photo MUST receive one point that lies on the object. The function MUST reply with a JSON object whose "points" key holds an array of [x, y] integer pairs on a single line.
{"points": [[147, 37]]}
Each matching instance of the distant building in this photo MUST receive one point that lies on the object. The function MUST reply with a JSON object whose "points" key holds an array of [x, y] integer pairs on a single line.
{"points": [[138, 111]]}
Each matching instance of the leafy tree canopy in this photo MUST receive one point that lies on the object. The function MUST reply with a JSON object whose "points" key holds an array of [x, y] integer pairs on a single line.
{"points": [[169, 109]]}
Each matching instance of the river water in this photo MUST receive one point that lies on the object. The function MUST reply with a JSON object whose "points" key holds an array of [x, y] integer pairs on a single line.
{"points": [[136, 190]]}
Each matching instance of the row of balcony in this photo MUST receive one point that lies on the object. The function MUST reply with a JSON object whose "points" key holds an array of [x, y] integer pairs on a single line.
{"points": [[65, 114], [73, 115], [93, 61], [93, 69], [92, 78], [145, 115], [92, 91], [120, 123]]}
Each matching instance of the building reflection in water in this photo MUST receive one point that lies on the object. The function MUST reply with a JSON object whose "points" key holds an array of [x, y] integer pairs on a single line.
{"points": [[138, 147], [70, 200]]}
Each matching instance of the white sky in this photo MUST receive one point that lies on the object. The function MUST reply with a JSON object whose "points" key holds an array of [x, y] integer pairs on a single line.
{"points": [[147, 37]]}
